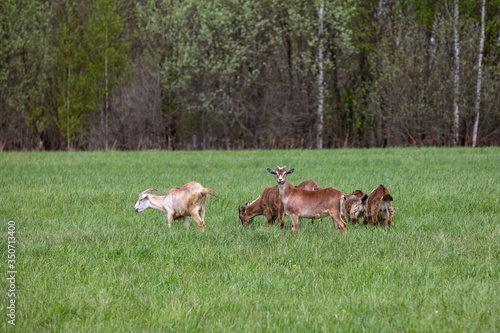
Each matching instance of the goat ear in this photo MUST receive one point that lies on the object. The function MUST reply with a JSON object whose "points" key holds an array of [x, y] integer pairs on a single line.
{"points": [[290, 171], [364, 198], [271, 171]]}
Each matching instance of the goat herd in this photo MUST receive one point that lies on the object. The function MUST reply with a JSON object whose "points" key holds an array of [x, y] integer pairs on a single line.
{"points": [[306, 200]]}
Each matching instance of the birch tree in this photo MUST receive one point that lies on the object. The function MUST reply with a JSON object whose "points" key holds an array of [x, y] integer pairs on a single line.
{"points": [[479, 77], [456, 76], [319, 138]]}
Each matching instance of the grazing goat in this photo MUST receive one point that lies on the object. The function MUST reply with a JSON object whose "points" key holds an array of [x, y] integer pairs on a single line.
{"points": [[379, 207], [355, 206], [269, 204], [179, 203], [298, 203]]}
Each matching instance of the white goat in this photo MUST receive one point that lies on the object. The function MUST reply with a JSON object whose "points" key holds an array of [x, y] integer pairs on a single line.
{"points": [[179, 203]]}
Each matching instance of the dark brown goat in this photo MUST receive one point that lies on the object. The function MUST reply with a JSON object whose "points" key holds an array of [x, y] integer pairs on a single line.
{"points": [[379, 208], [355, 206]]}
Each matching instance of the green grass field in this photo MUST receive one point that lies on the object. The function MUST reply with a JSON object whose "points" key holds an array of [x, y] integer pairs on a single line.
{"points": [[87, 262]]}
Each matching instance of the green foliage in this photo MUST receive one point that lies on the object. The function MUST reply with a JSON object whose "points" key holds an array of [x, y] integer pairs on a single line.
{"points": [[72, 101], [88, 262], [24, 65], [225, 57], [219, 74], [107, 46], [90, 50]]}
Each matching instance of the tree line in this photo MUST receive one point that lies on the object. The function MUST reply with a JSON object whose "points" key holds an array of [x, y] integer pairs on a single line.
{"points": [[241, 74]]}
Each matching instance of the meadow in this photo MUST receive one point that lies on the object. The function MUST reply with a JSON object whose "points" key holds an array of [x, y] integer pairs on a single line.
{"points": [[87, 262]]}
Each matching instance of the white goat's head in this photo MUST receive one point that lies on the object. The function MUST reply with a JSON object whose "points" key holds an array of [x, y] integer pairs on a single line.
{"points": [[143, 203]]}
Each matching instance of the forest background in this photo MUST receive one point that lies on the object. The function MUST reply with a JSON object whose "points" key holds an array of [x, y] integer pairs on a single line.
{"points": [[238, 74]]}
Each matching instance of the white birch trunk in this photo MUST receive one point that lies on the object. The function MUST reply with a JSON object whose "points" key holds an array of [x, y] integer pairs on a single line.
{"points": [[106, 106], [479, 77], [456, 78], [68, 100], [319, 138]]}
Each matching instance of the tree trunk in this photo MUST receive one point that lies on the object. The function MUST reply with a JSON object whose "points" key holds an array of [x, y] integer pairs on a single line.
{"points": [[68, 138], [106, 106], [319, 138], [479, 76], [456, 78]]}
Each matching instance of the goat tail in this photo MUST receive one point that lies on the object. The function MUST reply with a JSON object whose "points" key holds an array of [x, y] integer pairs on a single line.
{"points": [[387, 198], [353, 198], [209, 190], [342, 207]]}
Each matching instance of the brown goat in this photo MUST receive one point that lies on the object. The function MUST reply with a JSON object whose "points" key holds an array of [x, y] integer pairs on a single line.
{"points": [[355, 206], [379, 208], [269, 204], [308, 185], [179, 203], [299, 203]]}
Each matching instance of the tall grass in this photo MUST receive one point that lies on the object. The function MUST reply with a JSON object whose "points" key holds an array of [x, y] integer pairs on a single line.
{"points": [[88, 262]]}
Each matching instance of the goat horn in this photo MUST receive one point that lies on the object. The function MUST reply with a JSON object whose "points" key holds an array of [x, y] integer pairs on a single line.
{"points": [[148, 190]]}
